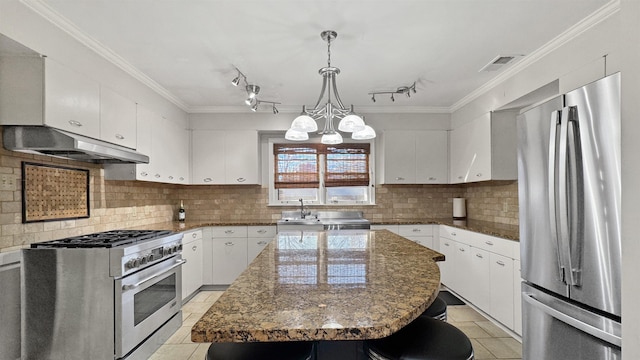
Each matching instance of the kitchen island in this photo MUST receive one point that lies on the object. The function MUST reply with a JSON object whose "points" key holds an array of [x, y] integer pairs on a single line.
{"points": [[325, 285]]}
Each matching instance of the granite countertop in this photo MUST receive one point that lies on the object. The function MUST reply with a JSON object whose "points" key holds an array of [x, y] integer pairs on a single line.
{"points": [[506, 231], [333, 285]]}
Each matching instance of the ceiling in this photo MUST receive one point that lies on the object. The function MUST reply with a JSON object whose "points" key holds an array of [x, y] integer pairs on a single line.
{"points": [[190, 48]]}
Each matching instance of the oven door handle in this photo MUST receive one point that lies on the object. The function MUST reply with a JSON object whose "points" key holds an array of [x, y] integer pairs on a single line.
{"points": [[133, 286]]}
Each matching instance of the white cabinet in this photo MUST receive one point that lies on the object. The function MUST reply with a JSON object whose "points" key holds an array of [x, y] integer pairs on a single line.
{"points": [[117, 118], [192, 270], [229, 253], [517, 297], [415, 157], [225, 157], [165, 142], [484, 149], [257, 238], [40, 91], [483, 269], [502, 289], [422, 234]]}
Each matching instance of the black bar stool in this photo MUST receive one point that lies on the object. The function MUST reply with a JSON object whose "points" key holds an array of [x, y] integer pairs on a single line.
{"points": [[423, 339], [287, 350], [437, 310]]}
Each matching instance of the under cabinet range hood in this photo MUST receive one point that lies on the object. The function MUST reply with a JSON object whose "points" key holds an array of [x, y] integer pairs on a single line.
{"points": [[44, 140]]}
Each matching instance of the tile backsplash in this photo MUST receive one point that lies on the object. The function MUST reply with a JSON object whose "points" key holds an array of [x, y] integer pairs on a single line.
{"points": [[122, 204]]}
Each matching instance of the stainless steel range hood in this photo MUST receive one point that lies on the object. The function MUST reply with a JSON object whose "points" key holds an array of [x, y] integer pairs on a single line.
{"points": [[49, 141]]}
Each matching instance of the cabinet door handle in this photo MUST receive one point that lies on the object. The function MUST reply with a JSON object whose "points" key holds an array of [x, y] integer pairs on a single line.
{"points": [[490, 243], [262, 231], [194, 235], [462, 249], [229, 231], [400, 178], [170, 177], [479, 256], [459, 177], [181, 178], [119, 137], [416, 230], [194, 248], [453, 234], [432, 178], [446, 244], [500, 263], [479, 174], [241, 179], [207, 180], [157, 176], [75, 123], [229, 243], [262, 243], [144, 173]]}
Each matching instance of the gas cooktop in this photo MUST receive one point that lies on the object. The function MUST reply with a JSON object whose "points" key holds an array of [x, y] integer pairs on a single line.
{"points": [[106, 239]]}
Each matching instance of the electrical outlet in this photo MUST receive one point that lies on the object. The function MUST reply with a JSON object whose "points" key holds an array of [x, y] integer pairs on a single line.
{"points": [[7, 182]]}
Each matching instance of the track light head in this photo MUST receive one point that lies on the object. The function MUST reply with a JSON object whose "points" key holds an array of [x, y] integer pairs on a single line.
{"points": [[392, 98], [236, 81], [252, 90], [373, 98], [254, 107], [275, 110]]}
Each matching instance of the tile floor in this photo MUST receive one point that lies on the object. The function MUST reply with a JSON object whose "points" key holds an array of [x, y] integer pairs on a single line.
{"points": [[489, 341]]}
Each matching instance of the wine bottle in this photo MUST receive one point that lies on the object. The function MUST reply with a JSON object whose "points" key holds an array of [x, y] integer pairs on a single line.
{"points": [[181, 213]]}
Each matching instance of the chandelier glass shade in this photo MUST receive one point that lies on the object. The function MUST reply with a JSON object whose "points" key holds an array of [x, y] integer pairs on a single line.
{"points": [[349, 120]]}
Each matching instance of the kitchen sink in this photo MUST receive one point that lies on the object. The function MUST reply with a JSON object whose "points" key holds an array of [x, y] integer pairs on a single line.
{"points": [[322, 220]]}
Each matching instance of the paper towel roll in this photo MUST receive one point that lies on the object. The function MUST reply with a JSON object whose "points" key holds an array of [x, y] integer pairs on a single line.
{"points": [[459, 208]]}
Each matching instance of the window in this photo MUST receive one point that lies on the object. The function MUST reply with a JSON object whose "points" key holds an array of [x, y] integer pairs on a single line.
{"points": [[321, 174]]}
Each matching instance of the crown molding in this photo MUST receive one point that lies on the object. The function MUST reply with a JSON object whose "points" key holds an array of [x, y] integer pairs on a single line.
{"points": [[44, 10], [573, 32]]}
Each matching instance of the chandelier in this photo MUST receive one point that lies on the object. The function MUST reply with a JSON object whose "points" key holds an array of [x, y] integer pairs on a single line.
{"points": [[349, 120]]}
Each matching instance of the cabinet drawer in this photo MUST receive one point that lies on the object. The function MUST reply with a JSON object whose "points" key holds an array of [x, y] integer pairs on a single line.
{"points": [[261, 231], [230, 231], [190, 236], [452, 233], [415, 230], [490, 243]]}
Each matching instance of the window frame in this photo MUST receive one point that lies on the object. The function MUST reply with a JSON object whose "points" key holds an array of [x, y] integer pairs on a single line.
{"points": [[322, 193]]}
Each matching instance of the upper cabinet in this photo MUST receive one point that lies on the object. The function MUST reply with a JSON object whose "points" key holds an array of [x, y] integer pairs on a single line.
{"points": [[484, 149], [414, 157], [225, 157], [39, 91], [167, 144], [117, 118]]}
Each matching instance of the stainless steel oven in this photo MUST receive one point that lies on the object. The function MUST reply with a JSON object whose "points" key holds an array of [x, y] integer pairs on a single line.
{"points": [[101, 299], [145, 301]]}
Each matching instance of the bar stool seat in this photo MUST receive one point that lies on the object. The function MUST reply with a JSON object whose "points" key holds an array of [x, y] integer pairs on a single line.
{"points": [[423, 339], [437, 310], [287, 350]]}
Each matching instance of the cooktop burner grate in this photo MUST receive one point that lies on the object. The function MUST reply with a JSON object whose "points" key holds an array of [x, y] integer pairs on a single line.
{"points": [[106, 239]]}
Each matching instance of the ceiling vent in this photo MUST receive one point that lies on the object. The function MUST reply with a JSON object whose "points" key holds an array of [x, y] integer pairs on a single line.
{"points": [[499, 61]]}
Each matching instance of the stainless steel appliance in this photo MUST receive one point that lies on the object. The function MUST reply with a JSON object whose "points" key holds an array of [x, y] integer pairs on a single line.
{"points": [[322, 220], [109, 295], [569, 197]]}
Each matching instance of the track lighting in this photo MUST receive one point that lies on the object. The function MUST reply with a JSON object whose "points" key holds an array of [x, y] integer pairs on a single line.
{"points": [[252, 93], [407, 90]]}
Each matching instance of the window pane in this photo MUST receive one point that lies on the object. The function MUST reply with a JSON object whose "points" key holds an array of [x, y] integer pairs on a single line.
{"points": [[347, 193], [293, 194]]}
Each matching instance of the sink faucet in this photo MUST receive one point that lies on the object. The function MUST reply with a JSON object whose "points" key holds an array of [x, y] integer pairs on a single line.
{"points": [[303, 214]]}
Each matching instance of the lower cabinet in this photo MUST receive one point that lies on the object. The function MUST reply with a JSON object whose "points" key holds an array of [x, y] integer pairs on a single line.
{"points": [[422, 234], [229, 249], [482, 270], [192, 271]]}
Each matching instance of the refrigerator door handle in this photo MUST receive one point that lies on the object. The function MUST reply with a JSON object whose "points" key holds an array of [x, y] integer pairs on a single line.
{"points": [[553, 164], [582, 326], [574, 161], [562, 200]]}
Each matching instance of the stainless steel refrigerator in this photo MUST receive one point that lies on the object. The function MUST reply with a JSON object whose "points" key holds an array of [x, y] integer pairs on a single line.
{"points": [[569, 198]]}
